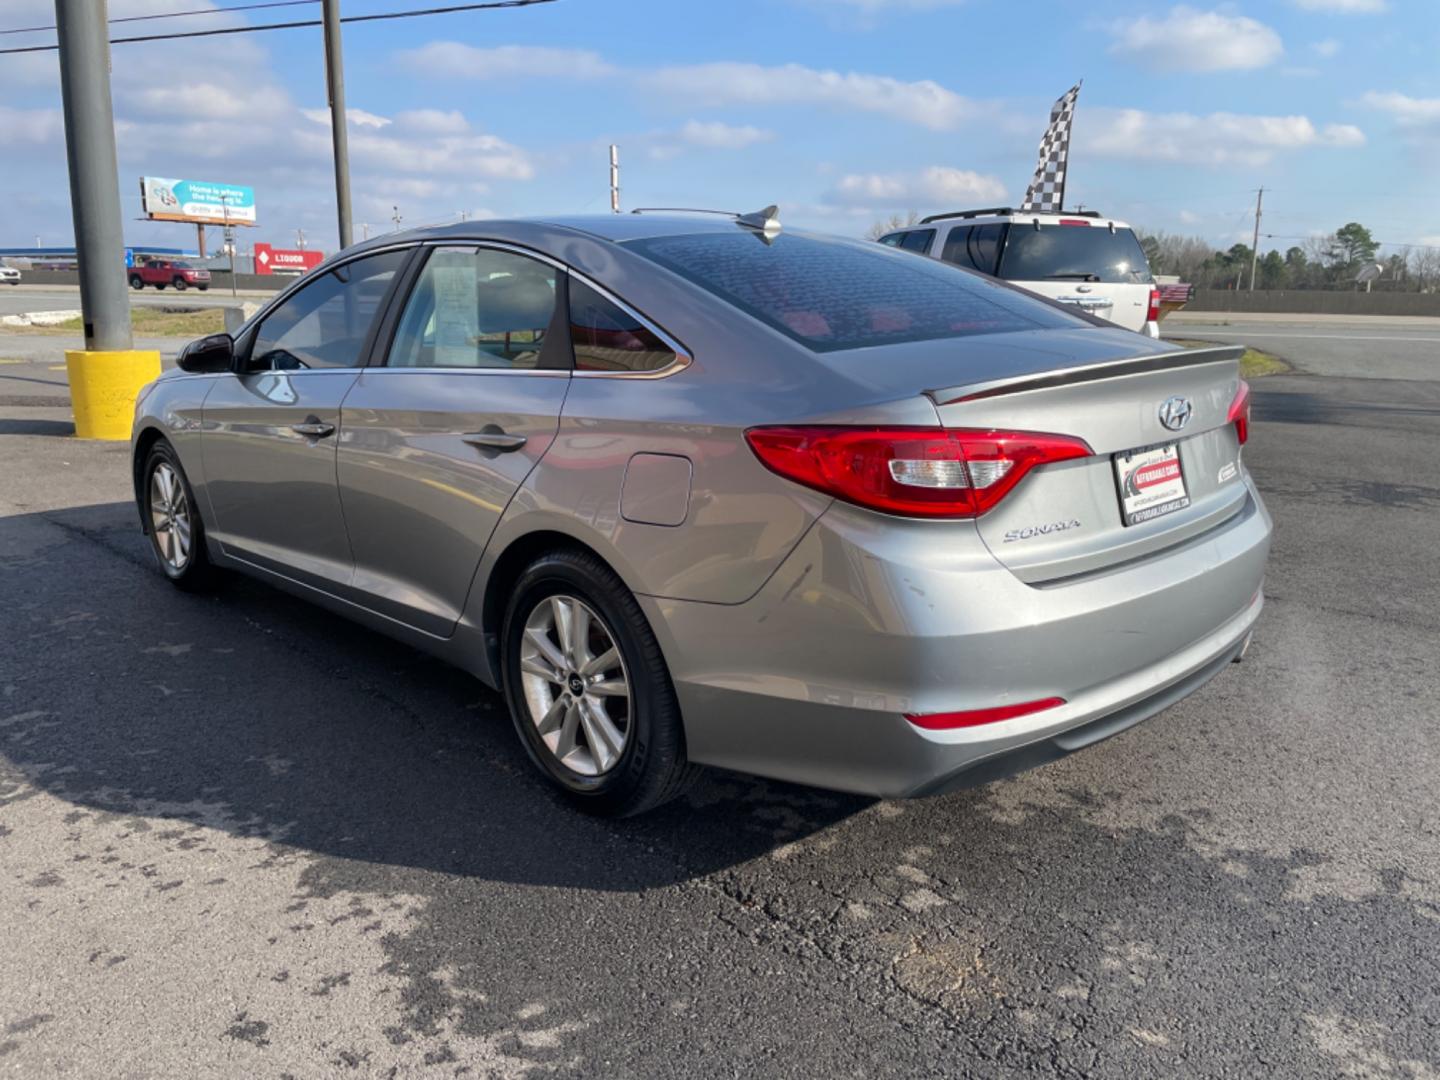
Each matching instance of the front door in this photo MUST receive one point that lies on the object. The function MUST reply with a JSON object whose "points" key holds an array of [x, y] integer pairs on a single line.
{"points": [[437, 439], [270, 432]]}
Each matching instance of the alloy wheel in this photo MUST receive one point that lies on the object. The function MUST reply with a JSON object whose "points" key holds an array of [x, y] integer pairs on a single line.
{"points": [[169, 517], [576, 688]]}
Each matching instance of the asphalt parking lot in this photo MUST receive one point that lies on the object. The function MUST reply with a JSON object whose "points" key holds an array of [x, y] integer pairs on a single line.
{"points": [[239, 837]]}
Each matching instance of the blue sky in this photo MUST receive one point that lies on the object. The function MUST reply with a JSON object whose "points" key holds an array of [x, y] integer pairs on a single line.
{"points": [[841, 111]]}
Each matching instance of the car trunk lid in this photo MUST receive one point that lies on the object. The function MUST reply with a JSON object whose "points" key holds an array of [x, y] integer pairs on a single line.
{"points": [[1067, 519]]}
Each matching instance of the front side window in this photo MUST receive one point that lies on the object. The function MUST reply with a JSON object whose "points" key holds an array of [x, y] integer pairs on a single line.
{"points": [[1073, 253], [476, 308], [325, 324], [828, 294], [606, 337]]}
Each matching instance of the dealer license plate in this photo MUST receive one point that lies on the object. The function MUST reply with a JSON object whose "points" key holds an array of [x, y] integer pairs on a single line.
{"points": [[1151, 482]]}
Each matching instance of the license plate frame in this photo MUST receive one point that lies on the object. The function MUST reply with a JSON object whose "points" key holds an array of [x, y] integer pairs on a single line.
{"points": [[1146, 484]]}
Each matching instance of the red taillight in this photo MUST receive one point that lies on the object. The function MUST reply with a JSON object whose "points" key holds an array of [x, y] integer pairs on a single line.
{"points": [[1153, 315], [1074, 221], [1239, 414], [911, 471], [975, 717]]}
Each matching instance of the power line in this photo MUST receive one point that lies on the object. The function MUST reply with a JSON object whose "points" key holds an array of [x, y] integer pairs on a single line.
{"points": [[446, 10], [176, 14]]}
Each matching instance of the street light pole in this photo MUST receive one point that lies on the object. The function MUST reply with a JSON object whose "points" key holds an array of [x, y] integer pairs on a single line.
{"points": [[335, 83], [94, 187]]}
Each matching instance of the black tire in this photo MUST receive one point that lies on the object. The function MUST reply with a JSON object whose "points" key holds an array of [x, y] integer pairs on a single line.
{"points": [[197, 572], [179, 284], [160, 286], [136, 281], [203, 288], [652, 767]]}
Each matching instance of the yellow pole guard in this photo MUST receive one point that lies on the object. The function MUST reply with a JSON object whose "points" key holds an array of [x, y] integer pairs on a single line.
{"points": [[103, 388]]}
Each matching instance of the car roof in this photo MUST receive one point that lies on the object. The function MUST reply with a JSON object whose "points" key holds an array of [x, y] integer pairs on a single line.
{"points": [[616, 227]]}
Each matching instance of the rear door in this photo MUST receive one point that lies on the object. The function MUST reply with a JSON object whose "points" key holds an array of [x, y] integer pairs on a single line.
{"points": [[437, 439], [269, 433], [1083, 262]]}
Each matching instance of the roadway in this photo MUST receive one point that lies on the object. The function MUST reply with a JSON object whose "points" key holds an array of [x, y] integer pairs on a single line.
{"points": [[241, 837]]}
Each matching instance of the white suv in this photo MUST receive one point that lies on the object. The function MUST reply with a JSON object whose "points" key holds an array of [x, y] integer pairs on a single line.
{"points": [[1077, 258]]}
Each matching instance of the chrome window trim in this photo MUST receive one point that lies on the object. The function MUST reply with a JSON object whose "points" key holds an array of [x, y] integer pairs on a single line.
{"points": [[552, 373]]}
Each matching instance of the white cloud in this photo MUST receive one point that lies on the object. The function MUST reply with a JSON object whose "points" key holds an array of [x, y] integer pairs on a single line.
{"points": [[938, 184], [1191, 40], [456, 60], [1212, 140], [719, 136], [925, 103], [1344, 7], [356, 117], [30, 125], [1408, 111], [1325, 49]]}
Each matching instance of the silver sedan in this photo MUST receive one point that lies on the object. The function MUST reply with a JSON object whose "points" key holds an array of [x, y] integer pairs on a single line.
{"points": [[701, 491]]}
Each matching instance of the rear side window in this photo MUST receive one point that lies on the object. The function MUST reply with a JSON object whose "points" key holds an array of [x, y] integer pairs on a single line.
{"points": [[918, 241], [957, 248], [830, 294], [325, 323], [893, 240], [1073, 252], [607, 337]]}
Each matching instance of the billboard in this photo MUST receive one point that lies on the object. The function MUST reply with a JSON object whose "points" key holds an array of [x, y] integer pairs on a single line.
{"points": [[197, 201], [273, 260]]}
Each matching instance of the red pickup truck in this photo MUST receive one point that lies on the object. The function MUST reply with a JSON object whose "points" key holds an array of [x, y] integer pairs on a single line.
{"points": [[162, 272]]}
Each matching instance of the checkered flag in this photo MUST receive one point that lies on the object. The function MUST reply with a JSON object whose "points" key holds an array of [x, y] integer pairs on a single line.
{"points": [[1046, 193]]}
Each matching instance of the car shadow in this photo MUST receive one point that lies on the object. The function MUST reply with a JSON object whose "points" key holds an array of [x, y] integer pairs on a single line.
{"points": [[252, 711]]}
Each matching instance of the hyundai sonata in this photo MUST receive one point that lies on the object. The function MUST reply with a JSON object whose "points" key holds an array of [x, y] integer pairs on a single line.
{"points": [[701, 491]]}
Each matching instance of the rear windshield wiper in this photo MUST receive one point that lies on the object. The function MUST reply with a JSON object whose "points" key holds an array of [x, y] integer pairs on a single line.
{"points": [[1072, 277]]}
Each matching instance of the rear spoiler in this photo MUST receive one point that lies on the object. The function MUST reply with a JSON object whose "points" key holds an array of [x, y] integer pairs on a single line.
{"points": [[1106, 369]]}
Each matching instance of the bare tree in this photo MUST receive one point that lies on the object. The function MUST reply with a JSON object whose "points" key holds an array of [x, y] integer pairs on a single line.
{"points": [[890, 224], [1425, 268]]}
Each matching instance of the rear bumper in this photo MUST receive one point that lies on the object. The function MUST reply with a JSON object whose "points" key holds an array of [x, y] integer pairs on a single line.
{"points": [[809, 681]]}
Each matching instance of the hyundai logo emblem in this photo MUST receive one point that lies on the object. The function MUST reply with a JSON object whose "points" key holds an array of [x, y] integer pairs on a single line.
{"points": [[1175, 412]]}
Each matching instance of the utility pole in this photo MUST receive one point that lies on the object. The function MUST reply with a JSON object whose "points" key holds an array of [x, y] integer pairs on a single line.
{"points": [[94, 187], [300, 239], [335, 83], [396, 218], [614, 179], [365, 228], [1255, 243]]}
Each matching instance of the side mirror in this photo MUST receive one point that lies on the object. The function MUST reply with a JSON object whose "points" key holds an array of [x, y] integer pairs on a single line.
{"points": [[209, 356]]}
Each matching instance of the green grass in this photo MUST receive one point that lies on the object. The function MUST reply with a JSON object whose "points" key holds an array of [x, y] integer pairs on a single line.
{"points": [[149, 322], [1254, 364]]}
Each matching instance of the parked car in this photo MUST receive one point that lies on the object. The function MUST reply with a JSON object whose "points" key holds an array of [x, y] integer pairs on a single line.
{"points": [[698, 491], [9, 275], [163, 272], [1078, 258]]}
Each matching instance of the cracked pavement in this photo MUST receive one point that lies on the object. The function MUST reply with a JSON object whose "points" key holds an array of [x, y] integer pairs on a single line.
{"points": [[242, 838]]}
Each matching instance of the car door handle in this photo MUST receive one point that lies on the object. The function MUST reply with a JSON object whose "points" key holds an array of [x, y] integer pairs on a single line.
{"points": [[494, 440], [313, 428]]}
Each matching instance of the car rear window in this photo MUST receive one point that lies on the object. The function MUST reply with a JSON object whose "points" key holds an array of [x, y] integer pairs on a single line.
{"points": [[1073, 252], [830, 294]]}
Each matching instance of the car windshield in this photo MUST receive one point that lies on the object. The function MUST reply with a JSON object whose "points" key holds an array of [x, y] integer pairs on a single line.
{"points": [[830, 294], [181, 266], [1073, 252]]}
